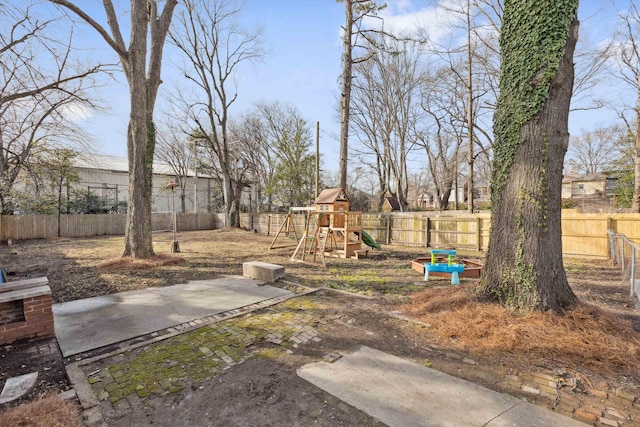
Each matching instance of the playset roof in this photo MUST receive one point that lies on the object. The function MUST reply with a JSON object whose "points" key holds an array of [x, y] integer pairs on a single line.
{"points": [[331, 195]]}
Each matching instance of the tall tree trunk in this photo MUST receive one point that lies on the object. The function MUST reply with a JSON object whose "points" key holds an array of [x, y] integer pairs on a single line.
{"points": [[140, 141], [524, 267], [231, 211], [183, 200], [443, 200], [345, 99]]}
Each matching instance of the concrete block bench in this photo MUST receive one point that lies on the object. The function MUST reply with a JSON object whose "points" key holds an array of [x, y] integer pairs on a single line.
{"points": [[262, 271], [25, 310]]}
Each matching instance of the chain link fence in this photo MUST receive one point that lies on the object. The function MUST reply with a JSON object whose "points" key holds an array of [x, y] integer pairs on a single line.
{"points": [[626, 254]]}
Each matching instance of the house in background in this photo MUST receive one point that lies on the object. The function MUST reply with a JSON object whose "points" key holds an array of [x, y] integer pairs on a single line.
{"points": [[108, 177], [390, 204], [426, 200], [593, 192], [589, 185]]}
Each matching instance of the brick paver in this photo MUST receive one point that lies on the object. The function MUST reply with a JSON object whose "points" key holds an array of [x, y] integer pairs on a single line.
{"points": [[192, 357]]}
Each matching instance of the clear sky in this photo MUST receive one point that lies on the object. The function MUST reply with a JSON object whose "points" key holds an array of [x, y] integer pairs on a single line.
{"points": [[302, 65]]}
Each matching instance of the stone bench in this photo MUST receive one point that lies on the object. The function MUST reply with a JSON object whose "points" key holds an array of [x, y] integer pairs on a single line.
{"points": [[25, 310], [262, 271]]}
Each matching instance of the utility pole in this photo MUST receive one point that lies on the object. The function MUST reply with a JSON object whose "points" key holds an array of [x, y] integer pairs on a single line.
{"points": [[469, 112], [317, 159]]}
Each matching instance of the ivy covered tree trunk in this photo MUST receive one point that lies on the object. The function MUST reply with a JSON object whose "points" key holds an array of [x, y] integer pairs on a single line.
{"points": [[524, 268]]}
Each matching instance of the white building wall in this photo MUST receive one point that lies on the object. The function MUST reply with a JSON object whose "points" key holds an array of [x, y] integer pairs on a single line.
{"points": [[115, 185]]}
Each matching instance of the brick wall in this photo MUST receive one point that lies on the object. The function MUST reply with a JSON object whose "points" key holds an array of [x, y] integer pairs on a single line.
{"points": [[601, 407], [25, 311], [11, 312]]}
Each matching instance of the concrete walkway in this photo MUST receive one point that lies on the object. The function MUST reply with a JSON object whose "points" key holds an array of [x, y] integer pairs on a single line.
{"points": [[92, 323], [404, 394]]}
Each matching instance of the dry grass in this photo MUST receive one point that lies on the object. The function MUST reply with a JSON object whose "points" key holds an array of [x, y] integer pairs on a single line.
{"points": [[47, 411], [585, 336], [140, 264]]}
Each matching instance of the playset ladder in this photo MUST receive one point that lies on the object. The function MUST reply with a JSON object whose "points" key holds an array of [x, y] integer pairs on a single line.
{"points": [[314, 245]]}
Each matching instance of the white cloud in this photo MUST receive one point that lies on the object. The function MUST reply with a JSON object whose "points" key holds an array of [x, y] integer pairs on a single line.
{"points": [[76, 112], [402, 18], [402, 5]]}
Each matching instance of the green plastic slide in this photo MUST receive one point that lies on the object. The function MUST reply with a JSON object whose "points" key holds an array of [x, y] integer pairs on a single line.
{"points": [[368, 240]]}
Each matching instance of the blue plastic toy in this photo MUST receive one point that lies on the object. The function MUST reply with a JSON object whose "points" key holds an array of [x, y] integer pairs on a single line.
{"points": [[449, 267]]}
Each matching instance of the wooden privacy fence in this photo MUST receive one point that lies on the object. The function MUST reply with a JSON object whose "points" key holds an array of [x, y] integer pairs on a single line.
{"points": [[470, 232], [582, 234], [26, 227]]}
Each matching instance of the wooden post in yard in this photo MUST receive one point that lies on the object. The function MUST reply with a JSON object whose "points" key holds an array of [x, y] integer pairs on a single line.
{"points": [[427, 224], [478, 235], [388, 229], [269, 225], [608, 239]]}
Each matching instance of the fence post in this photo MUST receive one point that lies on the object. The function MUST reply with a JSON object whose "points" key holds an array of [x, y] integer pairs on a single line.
{"points": [[269, 225], [609, 240], [388, 229], [478, 243], [426, 232], [633, 268]]}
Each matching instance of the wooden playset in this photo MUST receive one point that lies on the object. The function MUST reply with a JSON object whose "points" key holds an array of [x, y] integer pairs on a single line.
{"points": [[330, 229]]}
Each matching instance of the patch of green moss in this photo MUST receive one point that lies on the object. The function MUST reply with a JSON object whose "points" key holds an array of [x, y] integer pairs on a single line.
{"points": [[267, 353]]}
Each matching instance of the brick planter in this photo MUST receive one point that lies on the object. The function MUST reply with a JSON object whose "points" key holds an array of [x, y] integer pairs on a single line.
{"points": [[25, 310]]}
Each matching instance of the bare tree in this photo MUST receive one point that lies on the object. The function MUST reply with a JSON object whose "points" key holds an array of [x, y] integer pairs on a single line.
{"points": [[35, 100], [626, 50], [444, 101], [481, 22], [386, 114], [595, 151], [149, 28], [174, 149], [475, 64], [257, 154], [214, 47]]}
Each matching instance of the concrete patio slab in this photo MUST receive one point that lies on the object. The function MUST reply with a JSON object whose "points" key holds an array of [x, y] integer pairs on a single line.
{"points": [[402, 393], [92, 323]]}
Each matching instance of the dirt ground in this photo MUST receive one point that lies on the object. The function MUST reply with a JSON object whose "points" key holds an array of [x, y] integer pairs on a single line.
{"points": [[260, 390]]}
